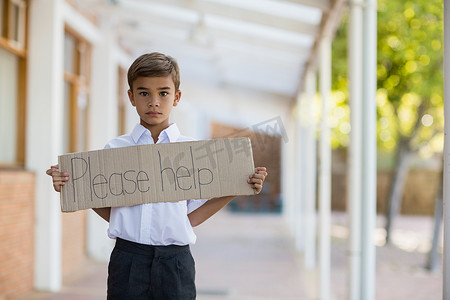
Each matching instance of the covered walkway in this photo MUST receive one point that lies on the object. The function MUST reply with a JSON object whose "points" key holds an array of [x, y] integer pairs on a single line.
{"points": [[244, 64], [251, 257]]}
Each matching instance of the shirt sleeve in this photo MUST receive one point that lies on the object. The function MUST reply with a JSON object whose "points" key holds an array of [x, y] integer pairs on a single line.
{"points": [[194, 204]]}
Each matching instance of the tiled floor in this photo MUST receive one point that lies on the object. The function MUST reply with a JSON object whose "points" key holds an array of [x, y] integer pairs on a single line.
{"points": [[251, 257]]}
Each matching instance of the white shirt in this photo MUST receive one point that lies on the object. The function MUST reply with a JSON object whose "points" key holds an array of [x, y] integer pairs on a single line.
{"points": [[164, 223]]}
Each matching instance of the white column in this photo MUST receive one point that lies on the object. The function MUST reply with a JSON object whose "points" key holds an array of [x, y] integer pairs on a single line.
{"points": [[299, 215], [287, 155], [104, 87], [103, 123], [288, 206], [354, 181], [288, 172], [369, 150], [44, 133], [325, 170], [446, 267], [309, 182]]}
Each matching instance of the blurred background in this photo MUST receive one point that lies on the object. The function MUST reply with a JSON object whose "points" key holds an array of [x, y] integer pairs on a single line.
{"points": [[289, 74]]}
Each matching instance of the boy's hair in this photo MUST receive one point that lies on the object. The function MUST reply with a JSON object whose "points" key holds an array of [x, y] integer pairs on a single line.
{"points": [[154, 64]]}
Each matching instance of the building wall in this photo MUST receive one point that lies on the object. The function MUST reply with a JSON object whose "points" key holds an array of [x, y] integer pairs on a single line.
{"points": [[419, 193], [74, 242], [266, 153], [16, 233]]}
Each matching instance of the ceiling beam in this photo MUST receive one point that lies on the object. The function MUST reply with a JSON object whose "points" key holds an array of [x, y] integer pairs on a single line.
{"points": [[324, 5], [237, 13], [257, 41], [132, 16], [158, 28], [239, 53]]}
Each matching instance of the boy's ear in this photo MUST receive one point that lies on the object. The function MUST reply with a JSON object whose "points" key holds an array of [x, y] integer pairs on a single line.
{"points": [[177, 98], [131, 97]]}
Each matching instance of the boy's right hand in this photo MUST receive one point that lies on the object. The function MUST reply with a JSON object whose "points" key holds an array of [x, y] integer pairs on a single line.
{"points": [[59, 178]]}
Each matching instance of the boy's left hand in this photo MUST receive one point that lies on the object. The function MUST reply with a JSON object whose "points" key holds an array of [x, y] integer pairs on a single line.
{"points": [[257, 179]]}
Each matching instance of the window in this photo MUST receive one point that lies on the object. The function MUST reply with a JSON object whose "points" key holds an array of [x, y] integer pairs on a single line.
{"points": [[13, 15], [76, 93], [2, 18], [17, 22], [12, 82], [8, 106]]}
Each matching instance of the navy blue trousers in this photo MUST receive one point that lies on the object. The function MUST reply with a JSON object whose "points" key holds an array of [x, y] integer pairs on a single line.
{"points": [[139, 271]]}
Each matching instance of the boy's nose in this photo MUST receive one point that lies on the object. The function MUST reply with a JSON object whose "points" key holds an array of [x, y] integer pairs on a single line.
{"points": [[153, 102]]}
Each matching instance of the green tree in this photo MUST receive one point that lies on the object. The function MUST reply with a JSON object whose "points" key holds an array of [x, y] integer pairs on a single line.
{"points": [[409, 85]]}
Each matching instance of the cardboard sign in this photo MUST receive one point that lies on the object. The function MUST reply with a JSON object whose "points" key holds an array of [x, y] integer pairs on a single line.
{"points": [[156, 173]]}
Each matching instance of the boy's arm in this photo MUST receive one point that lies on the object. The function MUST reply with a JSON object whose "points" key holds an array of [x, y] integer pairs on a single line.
{"points": [[208, 209], [104, 212], [59, 179], [213, 205]]}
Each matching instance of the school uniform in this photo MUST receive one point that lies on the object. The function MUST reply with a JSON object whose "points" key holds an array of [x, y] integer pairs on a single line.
{"points": [[152, 258]]}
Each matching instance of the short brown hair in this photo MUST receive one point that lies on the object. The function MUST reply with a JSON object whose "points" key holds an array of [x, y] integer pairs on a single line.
{"points": [[154, 64]]}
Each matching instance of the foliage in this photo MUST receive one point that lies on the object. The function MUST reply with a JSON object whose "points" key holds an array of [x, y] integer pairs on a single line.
{"points": [[409, 75]]}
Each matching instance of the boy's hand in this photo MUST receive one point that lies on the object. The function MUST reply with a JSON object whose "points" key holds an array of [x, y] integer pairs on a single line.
{"points": [[257, 179], [59, 178]]}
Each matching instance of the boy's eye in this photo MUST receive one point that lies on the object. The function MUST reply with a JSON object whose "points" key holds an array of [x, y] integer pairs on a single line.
{"points": [[143, 94], [163, 93]]}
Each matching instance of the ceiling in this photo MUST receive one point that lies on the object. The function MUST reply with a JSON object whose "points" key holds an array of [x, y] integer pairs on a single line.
{"points": [[256, 44]]}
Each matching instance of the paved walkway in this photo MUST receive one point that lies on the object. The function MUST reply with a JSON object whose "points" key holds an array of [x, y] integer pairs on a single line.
{"points": [[251, 257]]}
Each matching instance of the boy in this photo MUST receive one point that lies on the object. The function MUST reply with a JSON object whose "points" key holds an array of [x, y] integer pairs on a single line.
{"points": [[151, 258]]}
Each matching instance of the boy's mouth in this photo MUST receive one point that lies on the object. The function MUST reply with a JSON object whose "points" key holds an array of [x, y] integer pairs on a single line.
{"points": [[153, 113]]}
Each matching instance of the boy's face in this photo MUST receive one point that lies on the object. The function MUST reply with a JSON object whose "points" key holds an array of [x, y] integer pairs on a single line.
{"points": [[154, 98]]}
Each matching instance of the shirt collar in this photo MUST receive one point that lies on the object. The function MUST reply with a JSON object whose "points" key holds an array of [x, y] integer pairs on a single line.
{"points": [[171, 132]]}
